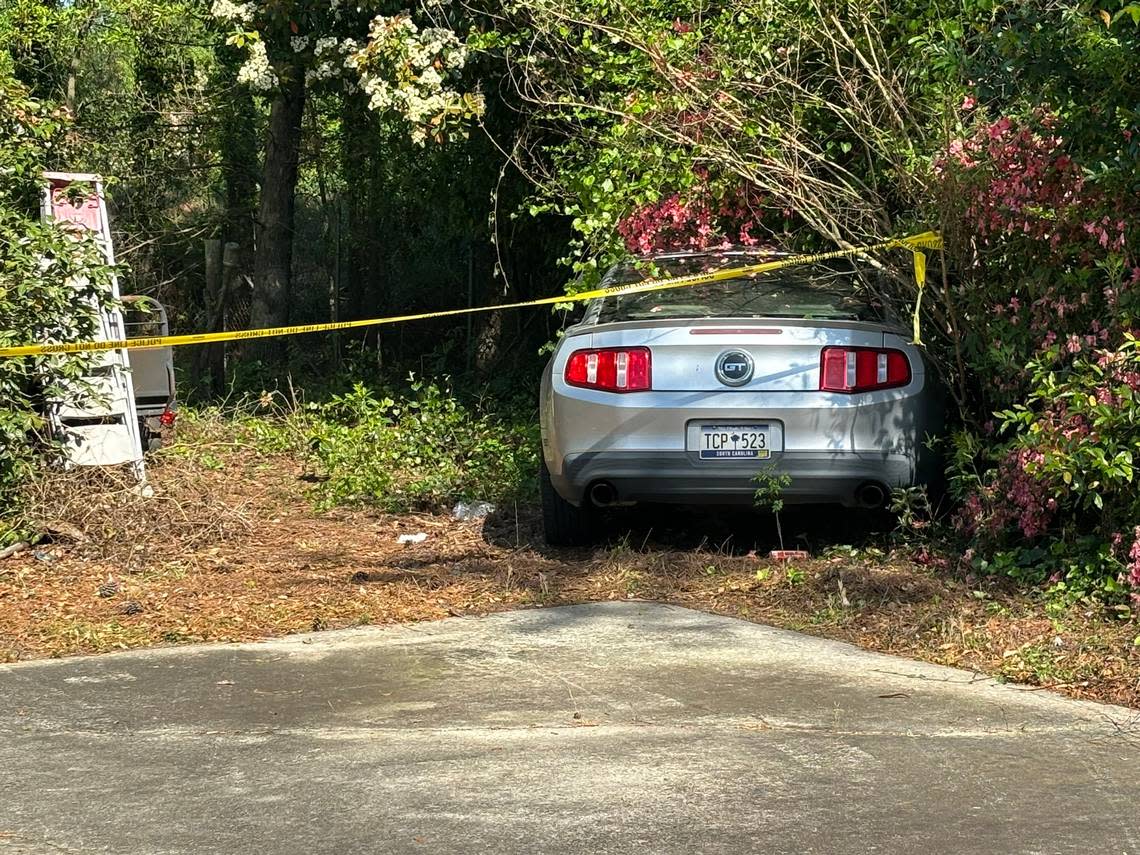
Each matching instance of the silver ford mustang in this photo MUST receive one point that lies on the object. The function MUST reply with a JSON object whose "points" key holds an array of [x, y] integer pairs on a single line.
{"points": [[688, 395]]}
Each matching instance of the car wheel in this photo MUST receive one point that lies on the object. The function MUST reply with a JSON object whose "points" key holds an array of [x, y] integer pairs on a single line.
{"points": [[563, 523]]}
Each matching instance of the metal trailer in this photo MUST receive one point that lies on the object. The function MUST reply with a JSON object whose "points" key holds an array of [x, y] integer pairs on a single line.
{"points": [[152, 369]]}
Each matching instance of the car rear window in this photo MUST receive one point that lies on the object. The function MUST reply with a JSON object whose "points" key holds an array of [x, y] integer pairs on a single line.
{"points": [[818, 291]]}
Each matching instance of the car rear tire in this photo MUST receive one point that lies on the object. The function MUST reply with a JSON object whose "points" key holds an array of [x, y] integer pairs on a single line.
{"points": [[564, 524]]}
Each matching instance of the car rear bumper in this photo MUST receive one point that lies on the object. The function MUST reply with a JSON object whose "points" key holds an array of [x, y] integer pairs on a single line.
{"points": [[829, 444], [816, 476]]}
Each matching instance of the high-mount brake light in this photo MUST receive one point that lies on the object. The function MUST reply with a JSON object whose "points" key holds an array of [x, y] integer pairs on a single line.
{"points": [[611, 369], [862, 369]]}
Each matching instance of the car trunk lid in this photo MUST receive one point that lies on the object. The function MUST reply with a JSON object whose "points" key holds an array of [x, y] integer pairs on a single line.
{"points": [[784, 352]]}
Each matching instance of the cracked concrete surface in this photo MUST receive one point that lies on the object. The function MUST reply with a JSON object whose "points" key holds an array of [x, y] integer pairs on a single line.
{"points": [[587, 729]]}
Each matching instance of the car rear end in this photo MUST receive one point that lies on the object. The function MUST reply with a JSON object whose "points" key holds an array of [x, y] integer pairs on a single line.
{"points": [[689, 395]]}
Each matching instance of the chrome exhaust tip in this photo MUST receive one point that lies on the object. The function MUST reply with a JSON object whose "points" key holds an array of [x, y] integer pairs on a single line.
{"points": [[603, 494], [871, 495]]}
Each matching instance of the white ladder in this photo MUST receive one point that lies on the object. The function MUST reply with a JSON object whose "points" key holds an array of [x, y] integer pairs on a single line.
{"points": [[102, 429]]}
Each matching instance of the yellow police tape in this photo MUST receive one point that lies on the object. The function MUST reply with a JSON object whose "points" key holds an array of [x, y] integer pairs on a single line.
{"points": [[927, 240]]}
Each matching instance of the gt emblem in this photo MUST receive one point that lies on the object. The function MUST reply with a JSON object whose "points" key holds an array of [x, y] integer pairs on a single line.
{"points": [[734, 368]]}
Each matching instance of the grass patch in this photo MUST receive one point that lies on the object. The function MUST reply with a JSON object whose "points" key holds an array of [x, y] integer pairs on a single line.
{"points": [[418, 449]]}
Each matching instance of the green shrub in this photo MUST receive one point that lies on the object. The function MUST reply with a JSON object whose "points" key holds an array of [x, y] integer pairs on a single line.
{"points": [[1039, 206], [425, 450], [46, 277], [1057, 500]]}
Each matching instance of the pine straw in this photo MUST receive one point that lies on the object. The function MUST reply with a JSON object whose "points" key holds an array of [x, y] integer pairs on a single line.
{"points": [[105, 515], [237, 553]]}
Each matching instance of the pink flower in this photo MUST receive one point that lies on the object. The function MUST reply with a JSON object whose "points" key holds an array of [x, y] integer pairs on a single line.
{"points": [[1000, 128], [1032, 187], [1134, 559], [969, 102]]}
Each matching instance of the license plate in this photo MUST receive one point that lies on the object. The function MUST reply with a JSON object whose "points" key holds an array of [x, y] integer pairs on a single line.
{"points": [[735, 442]]}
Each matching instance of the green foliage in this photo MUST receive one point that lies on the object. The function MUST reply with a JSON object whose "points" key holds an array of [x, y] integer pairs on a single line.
{"points": [[1066, 471], [1048, 299], [825, 114], [794, 123], [44, 272], [422, 450], [1083, 423], [417, 447], [140, 84], [769, 490], [911, 507], [769, 495], [794, 575]]}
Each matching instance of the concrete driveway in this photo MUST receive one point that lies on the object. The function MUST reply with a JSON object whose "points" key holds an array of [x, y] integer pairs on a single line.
{"points": [[619, 727]]}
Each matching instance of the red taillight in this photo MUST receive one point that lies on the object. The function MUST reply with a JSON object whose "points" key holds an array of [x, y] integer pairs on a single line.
{"points": [[167, 418], [862, 369], [612, 369]]}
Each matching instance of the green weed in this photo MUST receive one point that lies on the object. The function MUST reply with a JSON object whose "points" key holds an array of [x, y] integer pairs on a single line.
{"points": [[417, 449]]}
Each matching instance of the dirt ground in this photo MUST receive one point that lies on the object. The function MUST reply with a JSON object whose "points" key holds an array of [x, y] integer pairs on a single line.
{"points": [[234, 550]]}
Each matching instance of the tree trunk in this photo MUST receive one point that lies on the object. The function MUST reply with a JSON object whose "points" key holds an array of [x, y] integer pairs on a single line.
{"points": [[274, 254], [70, 97], [240, 162], [201, 371]]}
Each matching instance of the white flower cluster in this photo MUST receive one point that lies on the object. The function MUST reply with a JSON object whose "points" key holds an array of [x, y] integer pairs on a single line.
{"points": [[404, 69], [436, 44], [227, 10], [401, 68], [256, 71], [334, 57]]}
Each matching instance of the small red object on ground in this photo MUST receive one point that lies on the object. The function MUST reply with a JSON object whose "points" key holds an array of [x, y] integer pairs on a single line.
{"points": [[787, 554]]}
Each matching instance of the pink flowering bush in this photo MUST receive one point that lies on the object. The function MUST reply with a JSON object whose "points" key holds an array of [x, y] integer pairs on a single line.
{"points": [[1046, 255], [1133, 565], [1024, 183], [1067, 474], [1049, 294], [701, 219]]}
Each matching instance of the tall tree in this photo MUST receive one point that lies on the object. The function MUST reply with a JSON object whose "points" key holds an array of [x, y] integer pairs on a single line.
{"points": [[292, 46], [273, 262]]}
